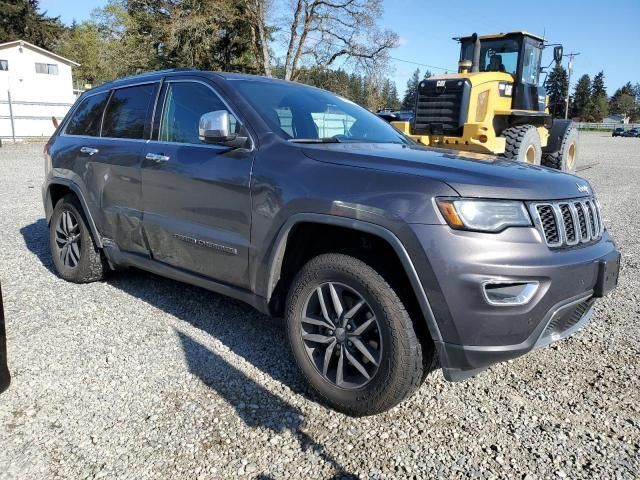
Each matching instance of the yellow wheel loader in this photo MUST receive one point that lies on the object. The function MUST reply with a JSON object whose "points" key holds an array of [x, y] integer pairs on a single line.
{"points": [[494, 104]]}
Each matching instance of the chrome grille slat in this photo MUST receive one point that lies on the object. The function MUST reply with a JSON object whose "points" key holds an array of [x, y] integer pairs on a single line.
{"points": [[567, 223]]}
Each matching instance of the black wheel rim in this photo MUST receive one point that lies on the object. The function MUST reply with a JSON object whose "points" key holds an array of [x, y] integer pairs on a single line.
{"points": [[68, 244], [341, 335]]}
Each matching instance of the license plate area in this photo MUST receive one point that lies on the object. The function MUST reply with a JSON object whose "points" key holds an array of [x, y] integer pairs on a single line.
{"points": [[608, 273]]}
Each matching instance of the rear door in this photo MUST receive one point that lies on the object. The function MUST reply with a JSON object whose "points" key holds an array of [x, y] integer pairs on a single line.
{"points": [[113, 171], [196, 198]]}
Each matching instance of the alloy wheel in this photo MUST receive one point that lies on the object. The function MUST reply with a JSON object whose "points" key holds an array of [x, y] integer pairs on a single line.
{"points": [[341, 335], [68, 239]]}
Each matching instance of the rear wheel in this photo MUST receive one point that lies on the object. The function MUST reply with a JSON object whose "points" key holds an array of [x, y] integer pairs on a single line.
{"points": [[566, 158], [523, 144], [352, 337], [75, 254]]}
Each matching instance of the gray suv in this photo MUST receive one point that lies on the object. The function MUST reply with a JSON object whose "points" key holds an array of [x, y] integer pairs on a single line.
{"points": [[387, 259]]}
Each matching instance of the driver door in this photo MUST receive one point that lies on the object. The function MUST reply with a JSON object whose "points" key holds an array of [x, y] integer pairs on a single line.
{"points": [[196, 199]]}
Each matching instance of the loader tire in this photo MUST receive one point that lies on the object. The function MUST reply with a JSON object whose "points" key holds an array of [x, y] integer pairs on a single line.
{"points": [[566, 158], [523, 144]]}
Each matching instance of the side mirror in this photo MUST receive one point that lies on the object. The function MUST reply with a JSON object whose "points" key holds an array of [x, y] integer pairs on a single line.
{"points": [[214, 127], [557, 53]]}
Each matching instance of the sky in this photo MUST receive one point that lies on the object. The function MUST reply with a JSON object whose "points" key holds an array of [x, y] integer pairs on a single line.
{"points": [[605, 34]]}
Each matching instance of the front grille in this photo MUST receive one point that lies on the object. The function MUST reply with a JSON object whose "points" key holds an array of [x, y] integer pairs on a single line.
{"points": [[441, 107], [564, 321], [568, 223]]}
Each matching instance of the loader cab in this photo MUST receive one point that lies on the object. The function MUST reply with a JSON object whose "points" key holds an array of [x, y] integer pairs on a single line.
{"points": [[518, 54]]}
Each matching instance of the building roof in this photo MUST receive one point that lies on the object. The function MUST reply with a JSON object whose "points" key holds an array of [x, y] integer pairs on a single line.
{"points": [[23, 43]]}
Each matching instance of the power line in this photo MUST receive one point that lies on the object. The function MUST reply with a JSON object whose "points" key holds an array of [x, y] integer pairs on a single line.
{"points": [[421, 64]]}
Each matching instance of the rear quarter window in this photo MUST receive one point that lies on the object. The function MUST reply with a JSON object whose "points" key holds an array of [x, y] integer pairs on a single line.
{"points": [[87, 117], [128, 111]]}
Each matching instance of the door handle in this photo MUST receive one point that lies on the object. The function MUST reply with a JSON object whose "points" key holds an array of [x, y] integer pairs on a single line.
{"points": [[157, 157], [89, 150]]}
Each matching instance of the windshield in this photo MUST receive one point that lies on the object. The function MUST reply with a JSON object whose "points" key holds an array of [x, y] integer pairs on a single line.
{"points": [[304, 114], [496, 55]]}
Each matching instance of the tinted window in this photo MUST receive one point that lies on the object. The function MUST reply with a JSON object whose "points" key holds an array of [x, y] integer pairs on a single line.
{"points": [[4, 65], [127, 111], [184, 104], [297, 112], [86, 119]]}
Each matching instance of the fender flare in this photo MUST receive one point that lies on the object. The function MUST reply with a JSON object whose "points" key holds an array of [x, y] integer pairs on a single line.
{"points": [[280, 246], [75, 188], [556, 135]]}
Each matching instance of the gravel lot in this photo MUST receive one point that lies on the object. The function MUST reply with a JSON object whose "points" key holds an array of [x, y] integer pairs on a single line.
{"points": [[142, 377]]}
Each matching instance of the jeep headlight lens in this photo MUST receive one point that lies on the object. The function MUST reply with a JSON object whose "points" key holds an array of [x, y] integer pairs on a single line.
{"points": [[483, 215]]}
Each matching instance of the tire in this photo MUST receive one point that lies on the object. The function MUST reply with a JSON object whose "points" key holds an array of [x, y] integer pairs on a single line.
{"points": [[523, 144], [566, 158], [398, 366], [84, 262]]}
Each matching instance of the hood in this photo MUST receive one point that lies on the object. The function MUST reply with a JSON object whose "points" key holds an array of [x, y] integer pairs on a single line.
{"points": [[471, 175]]}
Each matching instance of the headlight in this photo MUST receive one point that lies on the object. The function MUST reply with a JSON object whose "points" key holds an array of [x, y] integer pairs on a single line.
{"points": [[481, 106], [483, 215]]}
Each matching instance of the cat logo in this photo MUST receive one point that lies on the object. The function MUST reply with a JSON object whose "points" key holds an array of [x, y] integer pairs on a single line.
{"points": [[441, 83]]}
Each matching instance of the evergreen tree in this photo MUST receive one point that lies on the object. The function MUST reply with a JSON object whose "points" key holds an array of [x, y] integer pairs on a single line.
{"points": [[599, 105], [581, 97], [557, 85], [22, 20], [409, 100]]}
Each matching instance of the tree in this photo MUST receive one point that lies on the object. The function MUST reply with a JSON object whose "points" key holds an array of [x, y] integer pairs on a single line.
{"points": [[409, 99], [83, 44], [581, 97], [557, 85], [22, 20], [389, 95], [623, 101], [598, 105], [324, 31]]}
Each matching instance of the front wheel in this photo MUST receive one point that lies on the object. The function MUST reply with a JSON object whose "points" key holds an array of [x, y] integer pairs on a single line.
{"points": [[352, 337]]}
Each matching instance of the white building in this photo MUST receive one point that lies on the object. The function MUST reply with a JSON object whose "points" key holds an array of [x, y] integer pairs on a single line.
{"points": [[35, 85]]}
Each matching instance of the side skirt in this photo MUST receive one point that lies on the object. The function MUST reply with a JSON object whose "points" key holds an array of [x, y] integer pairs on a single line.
{"points": [[126, 259]]}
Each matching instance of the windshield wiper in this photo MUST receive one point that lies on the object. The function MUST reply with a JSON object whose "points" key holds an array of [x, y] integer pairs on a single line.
{"points": [[315, 140]]}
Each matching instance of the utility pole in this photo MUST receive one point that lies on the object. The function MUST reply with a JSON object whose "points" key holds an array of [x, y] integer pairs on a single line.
{"points": [[570, 55]]}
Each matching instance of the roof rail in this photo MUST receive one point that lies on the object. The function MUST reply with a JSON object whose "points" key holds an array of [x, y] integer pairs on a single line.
{"points": [[156, 72]]}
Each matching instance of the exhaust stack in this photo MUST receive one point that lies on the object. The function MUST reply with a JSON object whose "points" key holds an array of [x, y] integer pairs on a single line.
{"points": [[475, 66]]}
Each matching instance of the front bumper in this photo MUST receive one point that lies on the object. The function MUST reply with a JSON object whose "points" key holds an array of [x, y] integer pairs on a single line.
{"points": [[475, 334]]}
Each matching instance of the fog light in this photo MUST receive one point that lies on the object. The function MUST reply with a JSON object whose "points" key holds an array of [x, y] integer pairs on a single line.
{"points": [[509, 293]]}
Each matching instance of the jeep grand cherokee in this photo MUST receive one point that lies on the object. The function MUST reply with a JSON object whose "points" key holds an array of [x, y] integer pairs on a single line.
{"points": [[386, 258]]}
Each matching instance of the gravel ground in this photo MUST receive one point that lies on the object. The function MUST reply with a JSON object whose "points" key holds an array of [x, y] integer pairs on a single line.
{"points": [[142, 377]]}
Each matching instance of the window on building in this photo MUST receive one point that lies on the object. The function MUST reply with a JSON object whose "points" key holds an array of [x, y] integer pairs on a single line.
{"points": [[47, 68], [127, 112], [86, 119], [4, 65]]}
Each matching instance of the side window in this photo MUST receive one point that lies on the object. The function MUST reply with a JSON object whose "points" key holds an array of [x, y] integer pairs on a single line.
{"points": [[4, 65], [184, 104], [87, 117], [127, 112]]}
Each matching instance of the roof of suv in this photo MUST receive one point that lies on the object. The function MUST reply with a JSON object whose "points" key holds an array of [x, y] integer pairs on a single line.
{"points": [[183, 71]]}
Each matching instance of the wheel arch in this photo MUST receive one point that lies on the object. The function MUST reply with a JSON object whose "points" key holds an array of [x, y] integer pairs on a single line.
{"points": [[58, 188], [281, 244]]}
